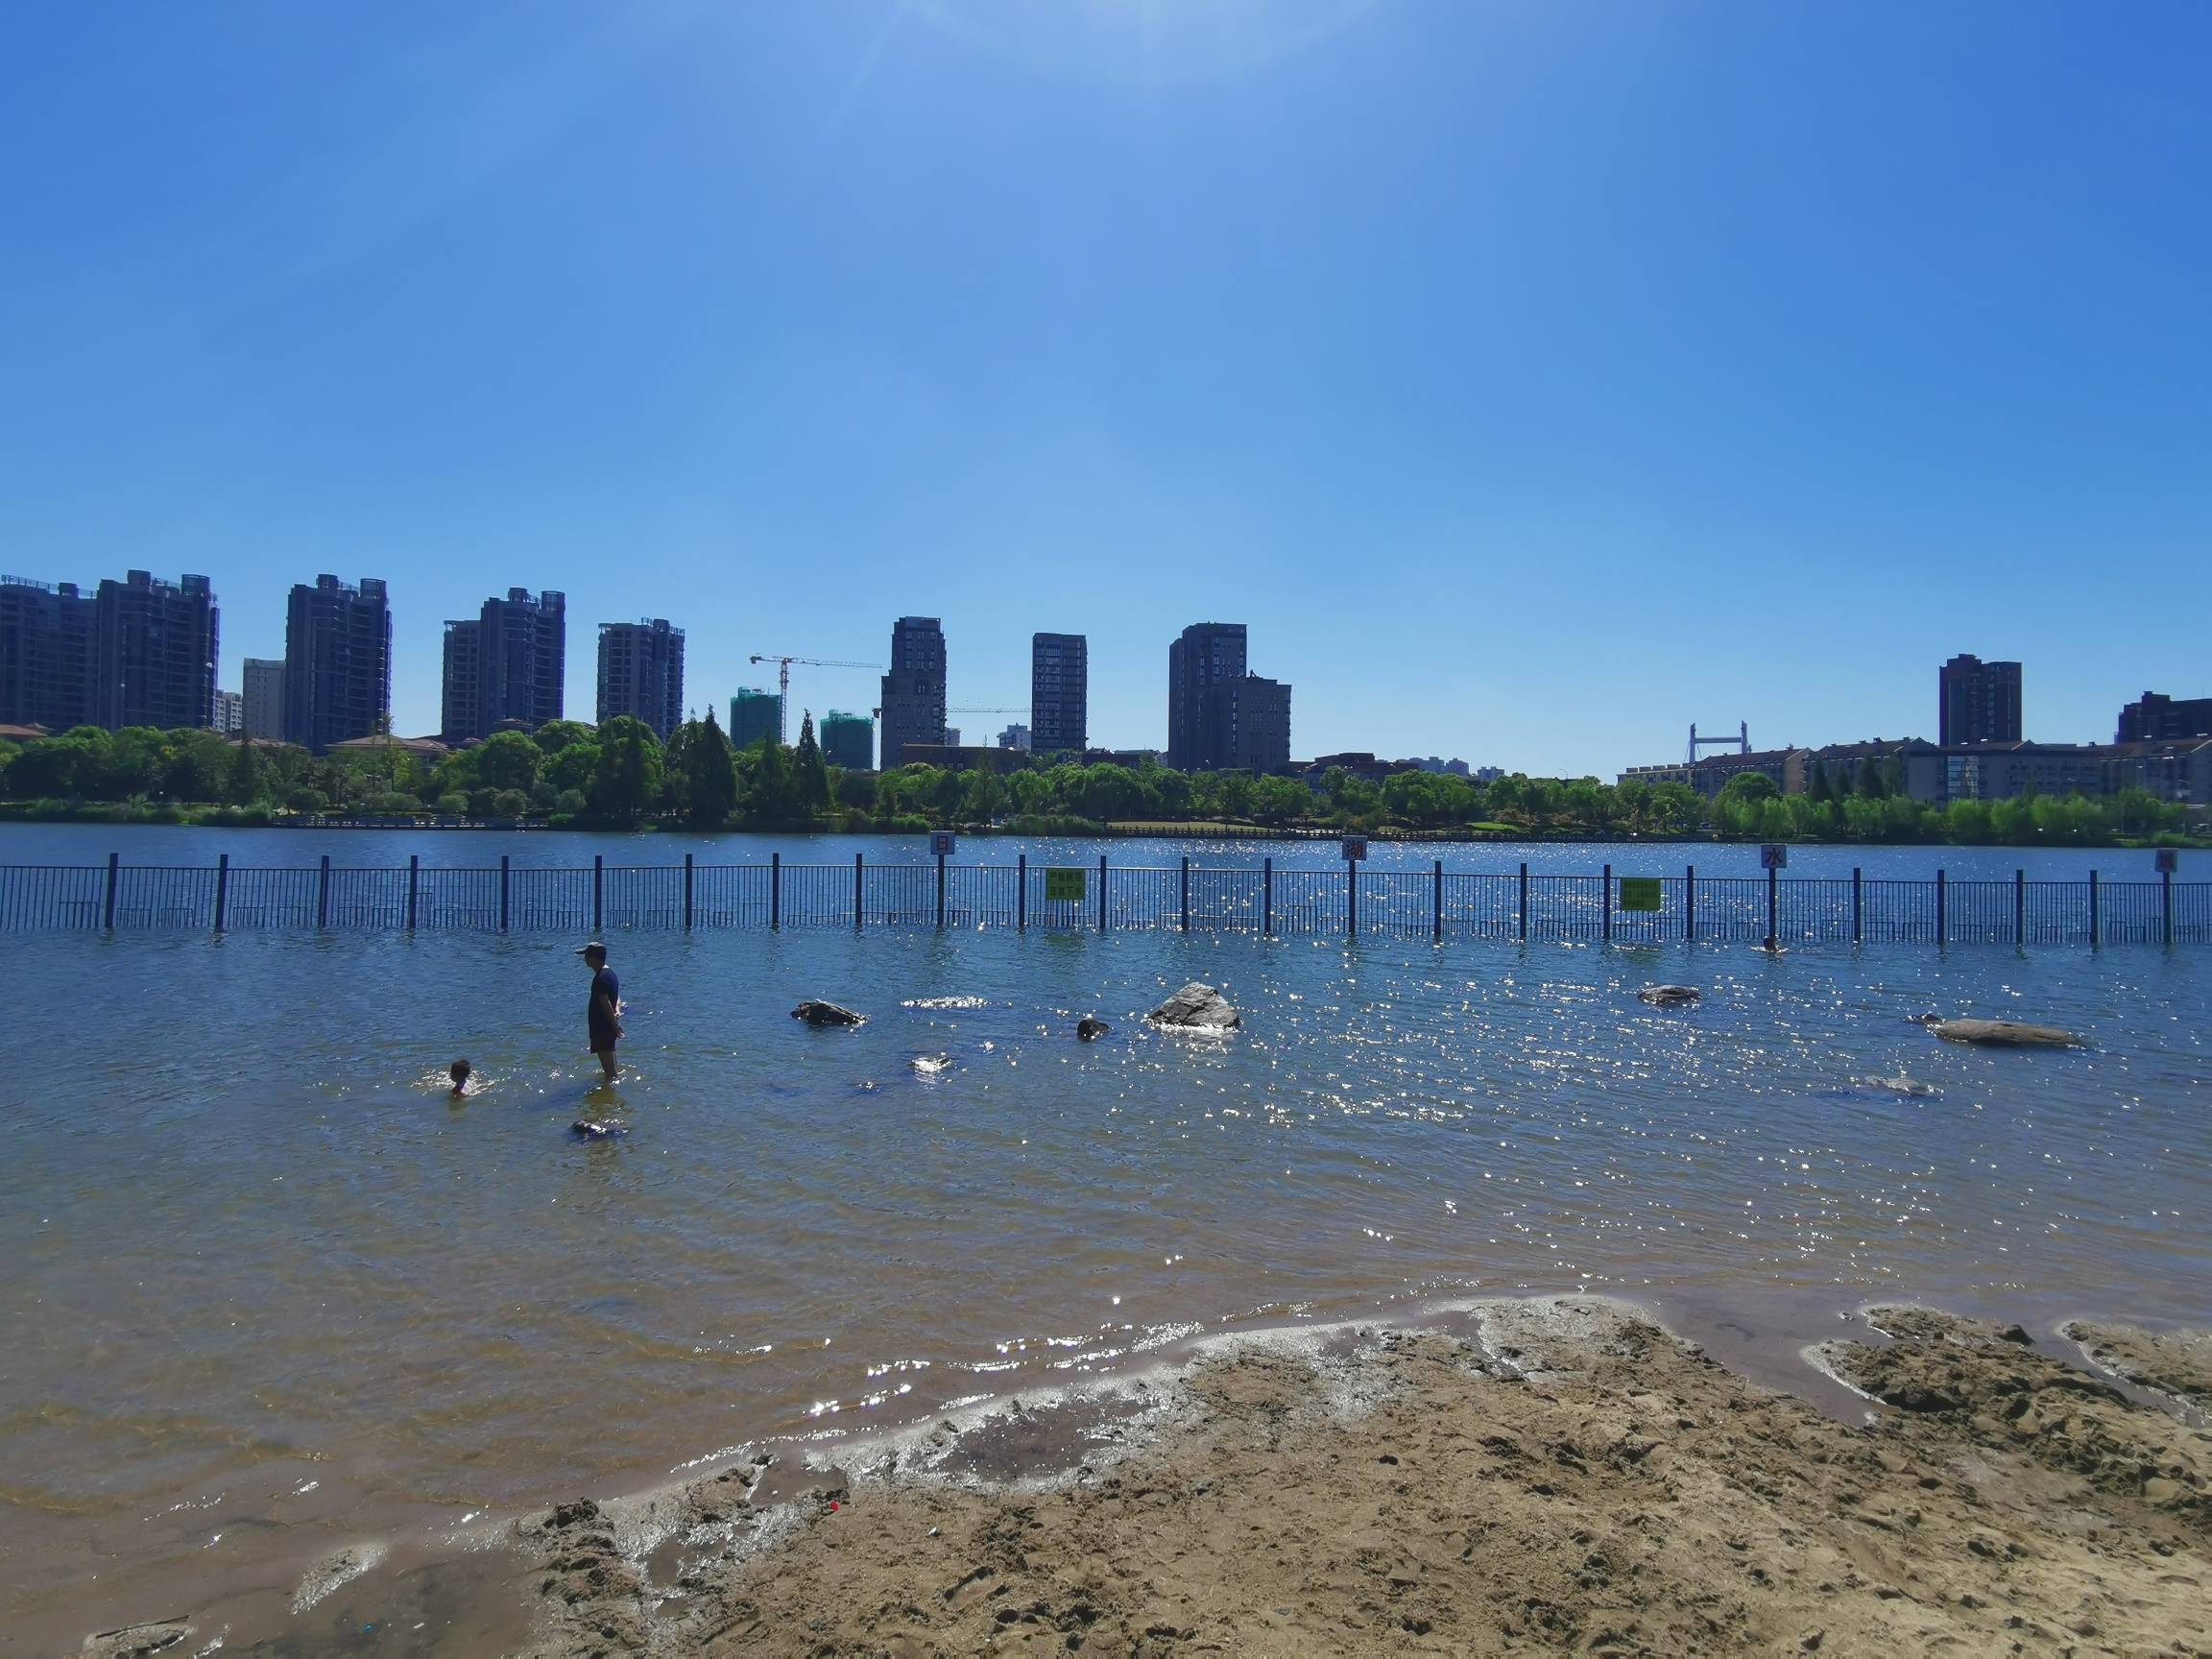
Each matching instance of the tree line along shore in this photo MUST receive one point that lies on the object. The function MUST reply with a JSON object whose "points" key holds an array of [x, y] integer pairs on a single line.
{"points": [[619, 776]]}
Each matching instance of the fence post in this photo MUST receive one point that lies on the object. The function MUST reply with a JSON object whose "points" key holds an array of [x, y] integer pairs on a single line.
{"points": [[322, 892], [1102, 892], [414, 884], [1606, 923], [686, 892], [222, 887], [114, 865], [1942, 909], [859, 894], [1186, 892], [1524, 904], [2166, 905], [1857, 904], [1436, 903], [504, 875], [1774, 908], [1350, 898], [1267, 897], [1690, 904], [598, 891], [940, 892], [775, 895], [2096, 931], [2019, 907]]}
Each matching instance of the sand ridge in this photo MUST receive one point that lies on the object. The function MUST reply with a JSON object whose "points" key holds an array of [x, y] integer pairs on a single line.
{"points": [[1534, 1477]]}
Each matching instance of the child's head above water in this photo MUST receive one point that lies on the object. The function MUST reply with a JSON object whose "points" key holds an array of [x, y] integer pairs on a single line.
{"points": [[460, 1072]]}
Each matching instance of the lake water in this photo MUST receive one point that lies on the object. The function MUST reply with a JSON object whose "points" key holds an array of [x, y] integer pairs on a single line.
{"points": [[269, 1292]]}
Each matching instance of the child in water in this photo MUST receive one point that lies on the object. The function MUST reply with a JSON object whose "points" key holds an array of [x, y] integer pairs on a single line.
{"points": [[460, 1072]]}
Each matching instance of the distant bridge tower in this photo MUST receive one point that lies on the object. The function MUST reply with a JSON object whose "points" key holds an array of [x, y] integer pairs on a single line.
{"points": [[1741, 740]]}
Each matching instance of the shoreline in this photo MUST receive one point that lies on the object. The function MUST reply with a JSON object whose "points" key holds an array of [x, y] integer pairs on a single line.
{"points": [[203, 816], [1292, 1485]]}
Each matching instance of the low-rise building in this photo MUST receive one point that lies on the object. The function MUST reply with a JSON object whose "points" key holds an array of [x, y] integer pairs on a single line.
{"points": [[1709, 774], [2178, 771], [1359, 763], [962, 757]]}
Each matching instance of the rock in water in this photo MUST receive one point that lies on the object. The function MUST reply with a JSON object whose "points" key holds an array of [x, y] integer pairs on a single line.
{"points": [[2005, 1033], [1090, 1028], [590, 1129], [1197, 1007], [1671, 996], [824, 1014]]}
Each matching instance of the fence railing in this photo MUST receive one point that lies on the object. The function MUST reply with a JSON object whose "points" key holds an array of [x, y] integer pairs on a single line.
{"points": [[1438, 903]]}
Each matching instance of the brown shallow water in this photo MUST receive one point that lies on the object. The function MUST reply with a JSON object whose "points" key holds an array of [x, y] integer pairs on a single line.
{"points": [[270, 1295]]}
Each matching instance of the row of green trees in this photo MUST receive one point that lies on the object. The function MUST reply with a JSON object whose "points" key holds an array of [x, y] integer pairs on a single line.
{"points": [[620, 773]]}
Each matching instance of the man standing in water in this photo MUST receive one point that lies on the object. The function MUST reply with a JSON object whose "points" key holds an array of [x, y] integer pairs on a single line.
{"points": [[605, 1015]]}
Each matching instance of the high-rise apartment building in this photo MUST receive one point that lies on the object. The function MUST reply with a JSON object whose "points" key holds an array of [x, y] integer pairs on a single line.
{"points": [[2161, 719], [1244, 725], [755, 714], [1059, 692], [263, 692], [524, 645], [1016, 736], [641, 673], [461, 695], [229, 712], [1979, 702], [47, 649], [155, 652], [1207, 654], [849, 741], [914, 689], [510, 664], [337, 661]]}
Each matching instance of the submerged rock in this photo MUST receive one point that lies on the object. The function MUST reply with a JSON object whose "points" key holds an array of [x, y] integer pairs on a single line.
{"points": [[824, 1014], [1671, 996], [592, 1129], [2005, 1033], [137, 1641], [1090, 1028], [1197, 1007]]}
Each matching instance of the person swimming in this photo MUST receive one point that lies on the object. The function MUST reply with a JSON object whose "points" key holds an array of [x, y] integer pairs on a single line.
{"points": [[461, 1071]]}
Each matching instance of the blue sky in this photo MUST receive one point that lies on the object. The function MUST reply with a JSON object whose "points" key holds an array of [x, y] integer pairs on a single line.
{"points": [[1532, 378]]}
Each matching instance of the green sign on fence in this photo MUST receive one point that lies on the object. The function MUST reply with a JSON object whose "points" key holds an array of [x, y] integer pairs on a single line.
{"points": [[1638, 892], [1064, 885]]}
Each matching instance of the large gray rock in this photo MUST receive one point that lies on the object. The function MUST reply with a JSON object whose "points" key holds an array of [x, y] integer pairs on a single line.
{"points": [[2005, 1033], [1671, 996], [1196, 1007], [824, 1014]]}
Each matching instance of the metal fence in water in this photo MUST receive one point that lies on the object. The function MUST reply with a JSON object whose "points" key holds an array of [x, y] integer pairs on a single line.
{"points": [[1436, 903]]}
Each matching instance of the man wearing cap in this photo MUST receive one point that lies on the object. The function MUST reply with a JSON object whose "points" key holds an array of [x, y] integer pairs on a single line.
{"points": [[605, 1016]]}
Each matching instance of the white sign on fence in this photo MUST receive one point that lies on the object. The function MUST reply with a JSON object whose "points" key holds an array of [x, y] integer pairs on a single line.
{"points": [[1773, 856], [940, 843]]}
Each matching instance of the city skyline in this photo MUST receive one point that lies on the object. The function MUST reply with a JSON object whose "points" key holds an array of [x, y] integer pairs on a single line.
{"points": [[1983, 700]]}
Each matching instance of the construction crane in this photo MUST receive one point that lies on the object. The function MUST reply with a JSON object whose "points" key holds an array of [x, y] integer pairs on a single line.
{"points": [[1024, 709], [783, 668]]}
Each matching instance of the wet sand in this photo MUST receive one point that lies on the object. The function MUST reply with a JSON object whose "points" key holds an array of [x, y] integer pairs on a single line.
{"points": [[1517, 1476]]}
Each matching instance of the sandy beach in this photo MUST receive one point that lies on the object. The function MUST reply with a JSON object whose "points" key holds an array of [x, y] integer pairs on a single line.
{"points": [[1554, 1474]]}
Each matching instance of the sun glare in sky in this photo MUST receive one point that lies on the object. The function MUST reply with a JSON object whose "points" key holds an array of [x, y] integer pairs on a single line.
{"points": [[1143, 43]]}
